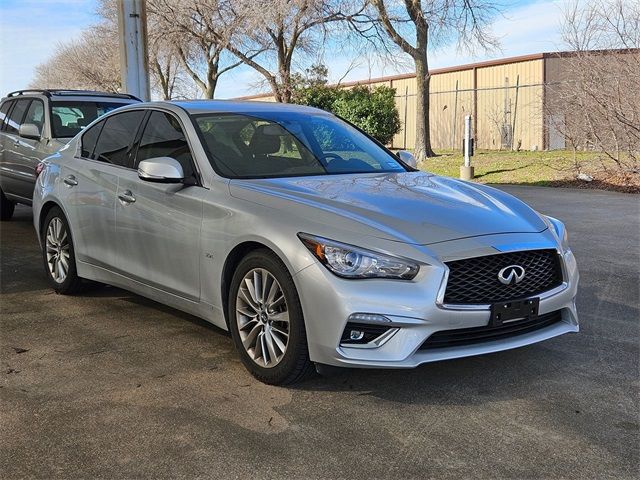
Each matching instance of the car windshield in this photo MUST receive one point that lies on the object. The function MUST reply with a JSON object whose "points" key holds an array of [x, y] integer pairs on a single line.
{"points": [[289, 144], [70, 117]]}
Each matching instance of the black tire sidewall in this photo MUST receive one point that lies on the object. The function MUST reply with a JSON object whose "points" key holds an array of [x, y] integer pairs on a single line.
{"points": [[70, 283], [297, 353]]}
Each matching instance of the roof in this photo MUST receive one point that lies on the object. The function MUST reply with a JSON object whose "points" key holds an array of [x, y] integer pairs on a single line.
{"points": [[238, 106], [456, 68]]}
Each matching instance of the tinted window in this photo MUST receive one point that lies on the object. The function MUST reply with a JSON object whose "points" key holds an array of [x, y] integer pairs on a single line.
{"points": [[3, 113], [281, 144], [163, 137], [89, 139], [35, 114], [16, 116], [116, 138], [70, 117]]}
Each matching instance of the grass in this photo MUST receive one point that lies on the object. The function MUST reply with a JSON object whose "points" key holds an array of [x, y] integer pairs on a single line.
{"points": [[544, 168]]}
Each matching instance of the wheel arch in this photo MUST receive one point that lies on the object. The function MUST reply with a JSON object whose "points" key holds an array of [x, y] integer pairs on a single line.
{"points": [[44, 211], [233, 259]]}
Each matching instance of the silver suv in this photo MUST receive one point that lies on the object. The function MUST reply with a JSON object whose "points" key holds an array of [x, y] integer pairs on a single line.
{"points": [[36, 123]]}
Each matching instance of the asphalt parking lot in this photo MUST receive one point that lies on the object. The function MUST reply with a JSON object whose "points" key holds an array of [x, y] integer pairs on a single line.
{"points": [[109, 384]]}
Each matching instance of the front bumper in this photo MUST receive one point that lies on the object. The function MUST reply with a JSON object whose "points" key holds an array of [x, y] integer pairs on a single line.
{"points": [[415, 308]]}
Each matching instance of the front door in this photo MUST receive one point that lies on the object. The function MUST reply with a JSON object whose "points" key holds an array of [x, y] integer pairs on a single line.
{"points": [[158, 225]]}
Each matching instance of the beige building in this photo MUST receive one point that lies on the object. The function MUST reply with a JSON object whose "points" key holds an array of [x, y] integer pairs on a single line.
{"points": [[505, 97]]}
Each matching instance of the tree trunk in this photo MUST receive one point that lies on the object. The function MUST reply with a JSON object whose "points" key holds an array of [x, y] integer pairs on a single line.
{"points": [[422, 147]]}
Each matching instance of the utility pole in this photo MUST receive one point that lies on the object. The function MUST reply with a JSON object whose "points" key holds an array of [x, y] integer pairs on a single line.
{"points": [[132, 32], [466, 170]]}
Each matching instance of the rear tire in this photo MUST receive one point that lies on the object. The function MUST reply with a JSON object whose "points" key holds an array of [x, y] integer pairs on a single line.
{"points": [[58, 254], [6, 207], [267, 324]]}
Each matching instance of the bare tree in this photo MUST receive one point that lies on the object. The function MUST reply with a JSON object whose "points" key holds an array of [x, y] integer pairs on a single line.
{"points": [[415, 25], [200, 32], [89, 62], [598, 100], [273, 30]]}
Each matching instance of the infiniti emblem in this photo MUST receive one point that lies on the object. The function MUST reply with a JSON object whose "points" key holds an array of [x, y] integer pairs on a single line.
{"points": [[511, 275]]}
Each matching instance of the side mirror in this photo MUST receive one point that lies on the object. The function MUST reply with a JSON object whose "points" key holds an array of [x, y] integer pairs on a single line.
{"points": [[161, 170], [408, 158], [29, 130]]}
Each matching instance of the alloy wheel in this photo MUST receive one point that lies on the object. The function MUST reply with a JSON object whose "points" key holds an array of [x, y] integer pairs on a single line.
{"points": [[262, 317], [57, 250]]}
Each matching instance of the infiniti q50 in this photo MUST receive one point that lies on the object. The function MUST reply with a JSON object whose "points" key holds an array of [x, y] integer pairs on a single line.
{"points": [[308, 240]]}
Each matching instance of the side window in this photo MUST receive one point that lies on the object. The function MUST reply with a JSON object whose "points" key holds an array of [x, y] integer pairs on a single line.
{"points": [[89, 139], [17, 114], [116, 138], [163, 137], [4, 110], [35, 114]]}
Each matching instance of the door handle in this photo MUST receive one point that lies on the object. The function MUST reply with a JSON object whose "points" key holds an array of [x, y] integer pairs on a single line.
{"points": [[127, 197], [70, 181]]}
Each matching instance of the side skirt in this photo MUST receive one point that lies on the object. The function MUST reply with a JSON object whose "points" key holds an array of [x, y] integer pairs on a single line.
{"points": [[206, 311]]}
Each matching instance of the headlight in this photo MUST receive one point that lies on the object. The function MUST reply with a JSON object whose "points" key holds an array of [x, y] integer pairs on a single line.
{"points": [[354, 262], [561, 231]]}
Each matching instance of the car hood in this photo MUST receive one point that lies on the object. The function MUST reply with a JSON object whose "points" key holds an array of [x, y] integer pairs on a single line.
{"points": [[412, 207]]}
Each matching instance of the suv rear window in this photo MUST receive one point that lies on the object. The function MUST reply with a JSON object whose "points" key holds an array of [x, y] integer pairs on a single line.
{"points": [[69, 117]]}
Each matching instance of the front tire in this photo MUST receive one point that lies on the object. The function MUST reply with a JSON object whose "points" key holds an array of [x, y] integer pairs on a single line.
{"points": [[266, 320], [6, 207], [58, 254]]}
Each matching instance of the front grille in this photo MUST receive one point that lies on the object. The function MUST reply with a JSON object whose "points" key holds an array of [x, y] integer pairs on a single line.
{"points": [[469, 336], [475, 280]]}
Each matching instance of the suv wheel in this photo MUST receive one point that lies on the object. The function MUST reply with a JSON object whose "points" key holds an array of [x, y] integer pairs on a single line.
{"points": [[58, 254], [6, 207], [266, 321]]}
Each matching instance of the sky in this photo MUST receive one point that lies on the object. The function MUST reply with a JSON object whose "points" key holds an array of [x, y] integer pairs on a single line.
{"points": [[30, 29]]}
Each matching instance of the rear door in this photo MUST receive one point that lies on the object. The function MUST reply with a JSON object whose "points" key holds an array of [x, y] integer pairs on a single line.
{"points": [[4, 114], [158, 225], [91, 184], [28, 152], [15, 179]]}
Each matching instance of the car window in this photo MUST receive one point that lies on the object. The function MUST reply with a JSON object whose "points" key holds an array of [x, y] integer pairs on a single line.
{"points": [[4, 109], [116, 138], [35, 114], [69, 117], [163, 137], [89, 139], [281, 144], [16, 115]]}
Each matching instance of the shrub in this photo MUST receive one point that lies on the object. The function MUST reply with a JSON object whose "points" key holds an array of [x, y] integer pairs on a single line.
{"points": [[372, 110]]}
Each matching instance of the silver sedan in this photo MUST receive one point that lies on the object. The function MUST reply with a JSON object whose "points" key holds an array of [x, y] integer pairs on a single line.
{"points": [[308, 240]]}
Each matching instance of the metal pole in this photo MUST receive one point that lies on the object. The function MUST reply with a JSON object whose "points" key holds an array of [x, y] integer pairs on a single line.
{"points": [[406, 104], [455, 117], [466, 170], [132, 32], [515, 112]]}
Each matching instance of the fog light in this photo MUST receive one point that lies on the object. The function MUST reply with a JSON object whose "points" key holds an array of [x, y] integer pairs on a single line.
{"points": [[356, 335]]}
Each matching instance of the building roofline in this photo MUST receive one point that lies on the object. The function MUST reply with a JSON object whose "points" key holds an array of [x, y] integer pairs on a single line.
{"points": [[458, 68]]}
